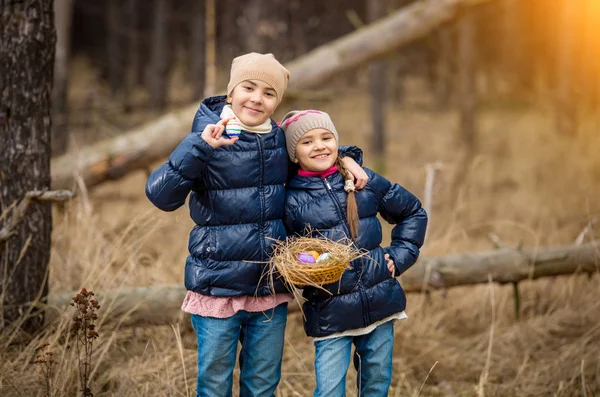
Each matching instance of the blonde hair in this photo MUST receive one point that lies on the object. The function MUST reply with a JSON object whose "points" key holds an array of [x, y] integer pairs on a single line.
{"points": [[351, 206]]}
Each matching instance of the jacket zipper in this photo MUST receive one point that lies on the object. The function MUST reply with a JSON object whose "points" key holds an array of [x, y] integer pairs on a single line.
{"points": [[261, 194], [366, 317], [338, 206]]}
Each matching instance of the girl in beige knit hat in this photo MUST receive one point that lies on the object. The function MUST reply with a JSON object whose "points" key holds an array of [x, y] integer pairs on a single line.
{"points": [[233, 166], [361, 308]]}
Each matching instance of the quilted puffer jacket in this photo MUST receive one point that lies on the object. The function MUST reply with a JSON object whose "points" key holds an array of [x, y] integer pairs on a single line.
{"points": [[367, 292], [236, 201]]}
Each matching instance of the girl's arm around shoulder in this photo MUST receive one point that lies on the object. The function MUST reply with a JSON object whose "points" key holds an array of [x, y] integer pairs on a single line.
{"points": [[169, 185], [400, 207]]}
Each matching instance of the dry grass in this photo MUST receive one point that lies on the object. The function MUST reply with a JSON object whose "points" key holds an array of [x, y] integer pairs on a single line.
{"points": [[527, 185]]}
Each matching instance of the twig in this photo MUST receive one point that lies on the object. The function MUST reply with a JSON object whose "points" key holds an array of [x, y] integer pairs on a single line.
{"points": [[486, 371], [583, 386], [581, 237], [430, 171], [354, 19], [496, 240], [19, 212], [427, 377]]}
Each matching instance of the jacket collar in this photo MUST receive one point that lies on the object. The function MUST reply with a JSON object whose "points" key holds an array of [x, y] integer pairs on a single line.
{"points": [[315, 182]]}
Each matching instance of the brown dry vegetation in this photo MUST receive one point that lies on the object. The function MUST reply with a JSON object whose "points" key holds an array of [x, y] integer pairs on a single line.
{"points": [[527, 185]]}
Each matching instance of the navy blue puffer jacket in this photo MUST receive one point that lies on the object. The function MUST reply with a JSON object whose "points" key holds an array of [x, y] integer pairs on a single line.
{"points": [[236, 201], [367, 292]]}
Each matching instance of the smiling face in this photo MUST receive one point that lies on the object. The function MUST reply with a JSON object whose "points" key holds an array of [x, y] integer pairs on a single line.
{"points": [[317, 150], [253, 102]]}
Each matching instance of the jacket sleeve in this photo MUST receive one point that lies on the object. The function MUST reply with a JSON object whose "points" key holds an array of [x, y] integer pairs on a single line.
{"points": [[352, 151], [401, 208], [169, 185]]}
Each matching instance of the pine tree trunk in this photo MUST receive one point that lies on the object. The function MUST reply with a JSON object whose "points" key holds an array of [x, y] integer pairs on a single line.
{"points": [[210, 21], [377, 93], [566, 114], [511, 51], [444, 72], [159, 62], [467, 80], [63, 11], [197, 48], [132, 78], [114, 46], [26, 69]]}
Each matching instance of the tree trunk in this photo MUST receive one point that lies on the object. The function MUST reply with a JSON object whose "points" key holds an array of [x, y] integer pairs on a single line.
{"points": [[133, 54], [139, 148], [467, 81], [444, 76], [377, 94], [197, 48], [63, 12], [161, 304], [210, 79], [27, 48], [159, 62], [566, 117], [512, 46], [114, 46]]}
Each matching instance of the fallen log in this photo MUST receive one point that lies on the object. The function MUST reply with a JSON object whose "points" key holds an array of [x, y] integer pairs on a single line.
{"points": [[161, 304], [153, 141]]}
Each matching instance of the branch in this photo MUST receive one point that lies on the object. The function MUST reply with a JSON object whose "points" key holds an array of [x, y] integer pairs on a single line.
{"points": [[19, 212], [161, 304]]}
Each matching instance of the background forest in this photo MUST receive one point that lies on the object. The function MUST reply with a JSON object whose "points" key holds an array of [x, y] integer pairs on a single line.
{"points": [[488, 110]]}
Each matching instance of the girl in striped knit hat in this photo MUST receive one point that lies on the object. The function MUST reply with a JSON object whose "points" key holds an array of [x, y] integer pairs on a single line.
{"points": [[361, 309]]}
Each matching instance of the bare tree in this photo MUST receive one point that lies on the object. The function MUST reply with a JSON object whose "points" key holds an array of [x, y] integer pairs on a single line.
{"points": [[27, 41], [113, 45], [133, 53], [444, 75], [566, 116], [63, 12], [377, 93], [210, 80], [159, 58], [467, 86], [197, 48]]}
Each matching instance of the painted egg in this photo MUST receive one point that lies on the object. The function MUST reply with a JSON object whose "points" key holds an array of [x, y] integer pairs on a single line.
{"points": [[233, 128], [324, 257], [306, 257], [315, 254]]}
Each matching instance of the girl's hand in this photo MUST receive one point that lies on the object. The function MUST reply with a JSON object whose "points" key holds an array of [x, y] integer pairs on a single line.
{"points": [[213, 134], [360, 176], [390, 265]]}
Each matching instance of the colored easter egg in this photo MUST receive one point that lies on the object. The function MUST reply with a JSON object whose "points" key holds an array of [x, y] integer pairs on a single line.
{"points": [[233, 128], [325, 256], [315, 254], [306, 257]]}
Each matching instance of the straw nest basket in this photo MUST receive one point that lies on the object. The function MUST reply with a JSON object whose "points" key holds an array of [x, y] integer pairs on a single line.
{"points": [[298, 274]]}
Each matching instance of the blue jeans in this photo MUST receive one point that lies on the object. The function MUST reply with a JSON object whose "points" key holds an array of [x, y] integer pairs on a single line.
{"points": [[261, 336], [372, 360]]}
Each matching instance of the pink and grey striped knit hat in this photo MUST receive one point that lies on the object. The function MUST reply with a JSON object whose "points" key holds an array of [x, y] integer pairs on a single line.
{"points": [[297, 123]]}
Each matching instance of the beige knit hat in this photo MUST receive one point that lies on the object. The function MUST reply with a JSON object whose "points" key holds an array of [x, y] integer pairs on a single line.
{"points": [[297, 123], [263, 67]]}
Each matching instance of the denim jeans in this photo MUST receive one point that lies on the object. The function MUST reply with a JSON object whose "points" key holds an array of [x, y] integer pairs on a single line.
{"points": [[261, 336], [372, 360]]}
